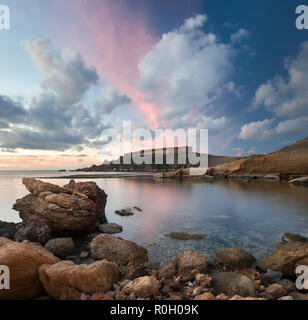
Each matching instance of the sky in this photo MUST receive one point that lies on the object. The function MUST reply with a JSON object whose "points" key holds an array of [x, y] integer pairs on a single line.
{"points": [[70, 70]]}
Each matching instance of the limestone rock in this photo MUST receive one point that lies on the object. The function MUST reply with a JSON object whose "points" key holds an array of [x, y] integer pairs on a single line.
{"points": [[64, 281], [23, 260], [144, 287], [287, 237], [188, 261], [231, 284], [115, 249], [235, 258], [284, 257]]}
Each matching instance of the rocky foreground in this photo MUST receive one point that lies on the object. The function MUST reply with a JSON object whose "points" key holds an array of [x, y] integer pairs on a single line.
{"points": [[65, 250]]}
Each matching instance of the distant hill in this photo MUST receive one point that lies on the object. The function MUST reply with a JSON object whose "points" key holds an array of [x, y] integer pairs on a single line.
{"points": [[290, 160]]}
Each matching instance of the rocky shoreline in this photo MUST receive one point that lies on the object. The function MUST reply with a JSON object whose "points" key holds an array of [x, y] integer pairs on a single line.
{"points": [[64, 249]]}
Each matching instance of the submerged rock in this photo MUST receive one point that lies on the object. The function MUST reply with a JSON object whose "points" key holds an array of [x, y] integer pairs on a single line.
{"points": [[303, 180], [232, 283], [144, 287], [188, 261], [23, 260], [185, 236], [110, 228], [287, 237], [235, 258], [124, 212], [284, 257], [106, 246], [65, 281], [61, 247]]}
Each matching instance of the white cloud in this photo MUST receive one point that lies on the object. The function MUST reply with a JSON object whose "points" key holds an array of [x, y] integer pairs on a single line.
{"points": [[287, 97], [259, 130], [239, 35], [186, 71]]}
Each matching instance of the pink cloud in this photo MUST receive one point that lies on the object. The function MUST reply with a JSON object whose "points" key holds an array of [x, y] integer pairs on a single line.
{"points": [[112, 37]]}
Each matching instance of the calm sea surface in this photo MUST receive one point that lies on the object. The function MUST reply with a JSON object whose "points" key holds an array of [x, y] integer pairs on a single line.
{"points": [[250, 215]]}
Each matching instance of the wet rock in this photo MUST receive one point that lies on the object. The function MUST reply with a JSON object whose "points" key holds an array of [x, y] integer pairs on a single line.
{"points": [[272, 276], [34, 231], [287, 237], [23, 260], [124, 212], [167, 271], [61, 247], [188, 261], [7, 229], [275, 291], [284, 257], [231, 284], [110, 228], [184, 236], [63, 281], [144, 287], [106, 246], [235, 258]]}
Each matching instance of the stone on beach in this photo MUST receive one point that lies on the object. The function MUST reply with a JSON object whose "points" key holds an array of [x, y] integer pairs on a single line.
{"points": [[105, 246], [284, 257], [34, 231], [144, 287], [167, 271], [7, 229], [232, 283], [61, 247], [235, 258], [23, 261], [188, 261], [110, 228], [66, 281]]}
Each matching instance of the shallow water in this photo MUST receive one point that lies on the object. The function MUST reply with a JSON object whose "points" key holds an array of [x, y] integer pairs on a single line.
{"points": [[250, 215]]}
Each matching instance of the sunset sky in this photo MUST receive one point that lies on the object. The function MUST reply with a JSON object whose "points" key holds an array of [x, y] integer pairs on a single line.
{"points": [[72, 68]]}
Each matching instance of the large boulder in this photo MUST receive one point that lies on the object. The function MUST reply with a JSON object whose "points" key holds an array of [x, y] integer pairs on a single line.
{"points": [[64, 209], [105, 246], [66, 281], [93, 192], [232, 283], [235, 258], [143, 287], [188, 261], [61, 247], [23, 261], [284, 257], [34, 231]]}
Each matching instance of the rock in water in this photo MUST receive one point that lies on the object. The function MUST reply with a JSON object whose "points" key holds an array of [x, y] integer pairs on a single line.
{"points": [[105, 246], [188, 261], [287, 237], [65, 281], [64, 210], [299, 181], [232, 283], [235, 258], [34, 231], [110, 228], [61, 247], [23, 260], [284, 257], [185, 236], [144, 287]]}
